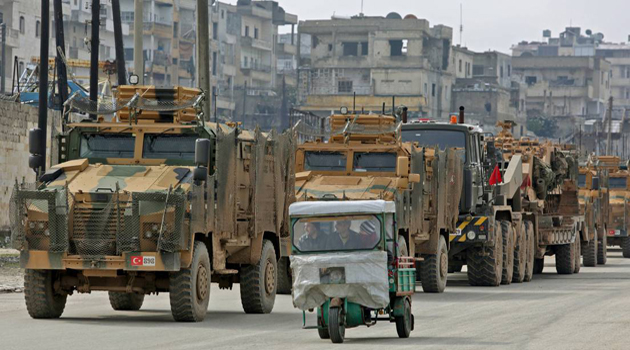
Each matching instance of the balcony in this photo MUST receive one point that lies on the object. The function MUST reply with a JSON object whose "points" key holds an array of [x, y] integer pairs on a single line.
{"points": [[163, 29], [287, 49], [256, 43], [13, 37], [257, 72]]}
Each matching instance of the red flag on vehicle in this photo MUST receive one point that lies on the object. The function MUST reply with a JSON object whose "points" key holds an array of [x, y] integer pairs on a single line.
{"points": [[495, 178]]}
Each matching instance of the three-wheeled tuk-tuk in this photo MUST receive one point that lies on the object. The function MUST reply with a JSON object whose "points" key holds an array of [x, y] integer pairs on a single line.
{"points": [[347, 263]]}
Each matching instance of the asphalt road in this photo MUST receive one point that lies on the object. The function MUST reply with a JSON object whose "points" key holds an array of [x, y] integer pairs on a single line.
{"points": [[590, 310]]}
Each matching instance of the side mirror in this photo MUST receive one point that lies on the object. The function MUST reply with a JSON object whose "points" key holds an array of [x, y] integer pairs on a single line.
{"points": [[36, 143], [133, 79], [414, 178], [402, 166], [595, 183], [202, 160]]}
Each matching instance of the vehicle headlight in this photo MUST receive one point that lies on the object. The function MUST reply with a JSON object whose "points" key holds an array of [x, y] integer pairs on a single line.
{"points": [[471, 235], [148, 234], [47, 233], [155, 227], [31, 225]]}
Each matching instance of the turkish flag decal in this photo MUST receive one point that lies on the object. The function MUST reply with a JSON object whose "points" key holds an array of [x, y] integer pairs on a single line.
{"points": [[136, 261]]}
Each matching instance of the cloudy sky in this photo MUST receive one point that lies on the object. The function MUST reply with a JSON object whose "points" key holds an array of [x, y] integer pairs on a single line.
{"points": [[488, 24]]}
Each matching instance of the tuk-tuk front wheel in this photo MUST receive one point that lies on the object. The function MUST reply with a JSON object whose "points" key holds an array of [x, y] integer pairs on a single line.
{"points": [[336, 325], [404, 323]]}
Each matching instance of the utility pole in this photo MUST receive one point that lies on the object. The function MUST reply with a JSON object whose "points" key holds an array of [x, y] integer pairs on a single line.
{"points": [[94, 46], [3, 26], [203, 54], [118, 43], [62, 81], [284, 119], [609, 140], [42, 119], [138, 32]]}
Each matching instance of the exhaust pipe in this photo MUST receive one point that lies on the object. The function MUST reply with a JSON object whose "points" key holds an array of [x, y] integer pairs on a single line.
{"points": [[461, 115]]}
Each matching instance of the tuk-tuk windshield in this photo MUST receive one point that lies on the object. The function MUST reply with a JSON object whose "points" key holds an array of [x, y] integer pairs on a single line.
{"points": [[340, 233]]}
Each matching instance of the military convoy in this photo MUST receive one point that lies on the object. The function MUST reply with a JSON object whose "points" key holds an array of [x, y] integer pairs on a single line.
{"points": [[618, 215], [154, 200]]}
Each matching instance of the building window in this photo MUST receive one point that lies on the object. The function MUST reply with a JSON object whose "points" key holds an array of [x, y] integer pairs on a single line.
{"points": [[129, 54], [38, 26], [244, 61], [21, 67], [126, 16], [460, 66], [509, 70], [477, 70], [398, 47], [433, 90], [350, 49], [531, 80], [255, 33], [344, 86], [22, 24], [1, 17], [222, 14], [215, 31], [364, 48], [246, 30], [501, 71], [330, 47], [214, 63]]}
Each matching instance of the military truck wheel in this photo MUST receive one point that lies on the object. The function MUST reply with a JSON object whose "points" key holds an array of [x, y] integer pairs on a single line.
{"points": [[565, 259], [578, 253], [531, 254], [485, 265], [41, 299], [625, 247], [336, 325], [322, 330], [520, 255], [189, 289], [284, 276], [602, 251], [434, 269], [258, 282], [508, 252], [590, 252], [126, 301], [539, 266], [403, 323]]}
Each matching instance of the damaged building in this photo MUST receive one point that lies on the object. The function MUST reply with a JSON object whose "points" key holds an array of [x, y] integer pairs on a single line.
{"points": [[378, 59]]}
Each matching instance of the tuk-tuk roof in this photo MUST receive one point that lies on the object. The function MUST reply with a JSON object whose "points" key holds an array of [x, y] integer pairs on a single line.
{"points": [[342, 207]]}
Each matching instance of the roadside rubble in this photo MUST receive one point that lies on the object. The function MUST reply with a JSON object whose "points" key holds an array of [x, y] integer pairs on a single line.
{"points": [[11, 275]]}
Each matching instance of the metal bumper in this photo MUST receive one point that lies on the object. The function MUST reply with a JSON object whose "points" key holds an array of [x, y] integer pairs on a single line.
{"points": [[133, 261]]}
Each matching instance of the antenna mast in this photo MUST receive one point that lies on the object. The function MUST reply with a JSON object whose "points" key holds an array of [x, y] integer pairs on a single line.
{"points": [[361, 7], [461, 23]]}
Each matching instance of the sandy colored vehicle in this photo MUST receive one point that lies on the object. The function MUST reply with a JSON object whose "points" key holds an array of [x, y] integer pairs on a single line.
{"points": [[593, 182], [618, 229], [366, 160], [347, 265], [155, 200]]}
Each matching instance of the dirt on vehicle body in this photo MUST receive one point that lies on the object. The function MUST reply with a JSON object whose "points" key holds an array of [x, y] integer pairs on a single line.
{"points": [[155, 200]]}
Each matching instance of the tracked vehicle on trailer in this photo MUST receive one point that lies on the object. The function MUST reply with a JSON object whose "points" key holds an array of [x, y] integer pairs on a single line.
{"points": [[155, 200]]}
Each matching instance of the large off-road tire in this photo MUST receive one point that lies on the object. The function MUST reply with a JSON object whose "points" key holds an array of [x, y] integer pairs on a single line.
{"points": [[508, 252], [590, 252], [530, 251], [602, 251], [625, 247], [323, 332], [258, 282], [539, 266], [284, 276], [404, 323], [41, 299], [434, 269], [486, 269], [520, 255], [336, 325], [126, 301], [578, 254], [565, 259], [189, 289]]}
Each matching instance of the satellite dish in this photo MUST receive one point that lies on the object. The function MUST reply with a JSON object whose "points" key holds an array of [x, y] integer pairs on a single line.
{"points": [[393, 15], [410, 16], [589, 32]]}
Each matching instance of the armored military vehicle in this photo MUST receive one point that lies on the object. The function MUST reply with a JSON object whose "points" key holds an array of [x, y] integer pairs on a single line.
{"points": [[594, 194], [154, 200]]}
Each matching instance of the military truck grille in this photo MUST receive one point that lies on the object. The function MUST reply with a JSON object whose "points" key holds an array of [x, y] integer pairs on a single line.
{"points": [[94, 229]]}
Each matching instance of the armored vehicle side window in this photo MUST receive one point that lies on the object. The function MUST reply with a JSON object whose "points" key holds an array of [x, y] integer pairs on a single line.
{"points": [[434, 137], [356, 232], [582, 180], [158, 146], [107, 146], [335, 161], [617, 182], [377, 162]]}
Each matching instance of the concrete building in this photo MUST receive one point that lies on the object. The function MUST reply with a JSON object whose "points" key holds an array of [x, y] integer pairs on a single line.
{"points": [[463, 60], [619, 57], [377, 58]]}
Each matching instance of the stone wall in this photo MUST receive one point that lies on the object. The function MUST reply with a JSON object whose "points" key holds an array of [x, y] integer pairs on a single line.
{"points": [[15, 121]]}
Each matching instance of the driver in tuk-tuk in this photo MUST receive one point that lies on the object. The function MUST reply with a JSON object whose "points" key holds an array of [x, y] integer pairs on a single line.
{"points": [[314, 239], [344, 238]]}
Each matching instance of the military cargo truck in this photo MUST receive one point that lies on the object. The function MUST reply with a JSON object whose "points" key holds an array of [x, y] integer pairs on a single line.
{"points": [[154, 200], [618, 228], [365, 159], [595, 206]]}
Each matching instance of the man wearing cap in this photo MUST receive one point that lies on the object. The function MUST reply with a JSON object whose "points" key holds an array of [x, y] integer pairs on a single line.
{"points": [[367, 233], [344, 238], [314, 239]]}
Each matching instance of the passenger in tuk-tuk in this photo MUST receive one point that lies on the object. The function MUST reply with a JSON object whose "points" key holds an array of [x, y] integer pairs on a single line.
{"points": [[367, 233], [344, 238], [314, 239]]}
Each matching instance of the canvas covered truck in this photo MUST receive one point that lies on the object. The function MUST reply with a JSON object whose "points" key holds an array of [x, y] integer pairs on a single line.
{"points": [[549, 201], [366, 160], [594, 194], [490, 226], [617, 231], [155, 200]]}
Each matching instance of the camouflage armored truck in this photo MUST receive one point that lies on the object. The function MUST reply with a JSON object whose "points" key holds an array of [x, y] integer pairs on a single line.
{"points": [[364, 160], [155, 200], [595, 206], [617, 231], [489, 224]]}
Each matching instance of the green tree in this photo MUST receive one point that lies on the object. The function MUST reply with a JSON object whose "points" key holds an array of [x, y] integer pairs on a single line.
{"points": [[542, 126]]}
